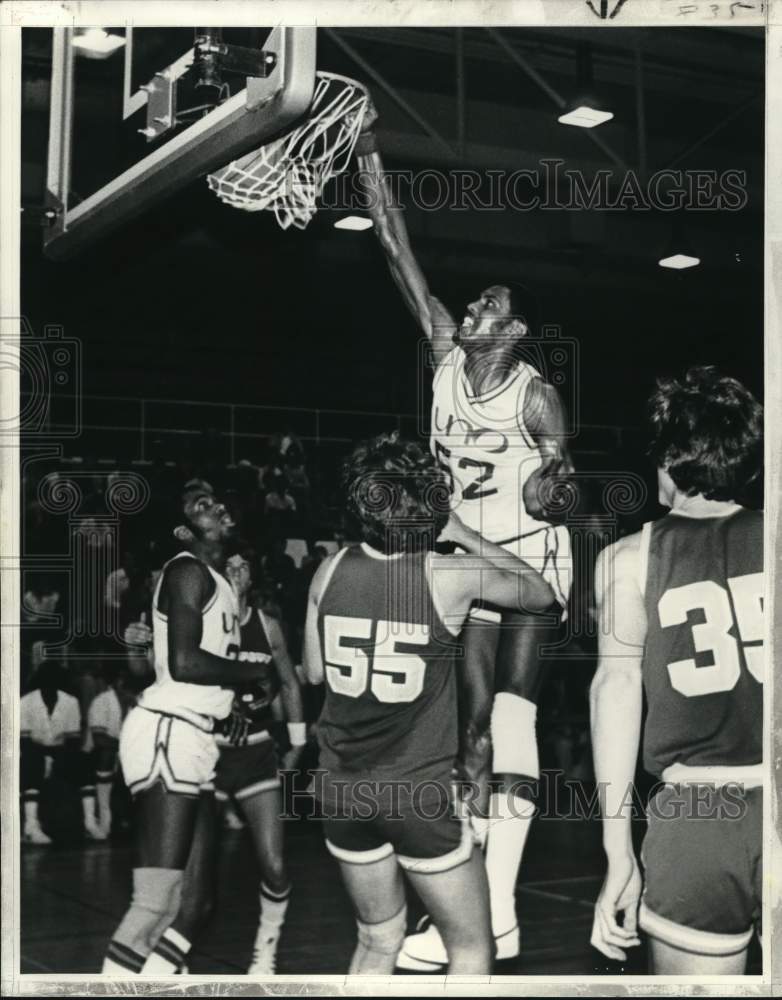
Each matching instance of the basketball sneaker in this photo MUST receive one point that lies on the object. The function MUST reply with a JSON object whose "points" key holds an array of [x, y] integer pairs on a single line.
{"points": [[94, 831], [424, 951], [264, 961], [33, 834]]}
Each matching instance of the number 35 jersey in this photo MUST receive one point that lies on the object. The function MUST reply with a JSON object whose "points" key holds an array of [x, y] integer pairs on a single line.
{"points": [[703, 659], [482, 444], [390, 706]]}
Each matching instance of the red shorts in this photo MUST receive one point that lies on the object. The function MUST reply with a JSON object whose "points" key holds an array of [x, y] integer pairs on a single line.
{"points": [[703, 859], [366, 820], [242, 772]]}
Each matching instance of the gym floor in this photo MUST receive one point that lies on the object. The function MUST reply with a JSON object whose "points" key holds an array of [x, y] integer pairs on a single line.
{"points": [[73, 897]]}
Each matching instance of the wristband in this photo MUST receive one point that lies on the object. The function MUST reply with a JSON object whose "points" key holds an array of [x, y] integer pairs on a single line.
{"points": [[366, 143], [297, 733]]}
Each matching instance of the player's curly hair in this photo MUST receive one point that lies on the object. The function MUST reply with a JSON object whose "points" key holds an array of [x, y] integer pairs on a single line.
{"points": [[397, 492], [707, 431]]}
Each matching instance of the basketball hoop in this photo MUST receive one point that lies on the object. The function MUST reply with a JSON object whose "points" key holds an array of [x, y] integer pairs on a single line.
{"points": [[287, 175]]}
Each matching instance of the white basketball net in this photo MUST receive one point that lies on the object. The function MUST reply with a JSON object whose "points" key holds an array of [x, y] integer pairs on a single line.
{"points": [[287, 175]]}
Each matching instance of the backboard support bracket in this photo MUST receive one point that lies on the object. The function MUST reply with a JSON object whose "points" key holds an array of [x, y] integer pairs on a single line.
{"points": [[266, 107]]}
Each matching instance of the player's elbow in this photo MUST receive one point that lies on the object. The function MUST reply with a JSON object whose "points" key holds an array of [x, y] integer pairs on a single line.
{"points": [[180, 666], [538, 595], [388, 241], [614, 686]]}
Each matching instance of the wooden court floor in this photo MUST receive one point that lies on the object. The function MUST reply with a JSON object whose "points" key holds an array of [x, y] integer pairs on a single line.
{"points": [[73, 897]]}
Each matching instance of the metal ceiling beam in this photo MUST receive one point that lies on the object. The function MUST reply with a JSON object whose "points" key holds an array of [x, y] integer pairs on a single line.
{"points": [[461, 107], [735, 113], [557, 98], [392, 92], [640, 108], [553, 53]]}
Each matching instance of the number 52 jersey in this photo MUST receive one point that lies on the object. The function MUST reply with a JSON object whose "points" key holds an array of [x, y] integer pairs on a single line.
{"points": [[485, 449], [703, 658]]}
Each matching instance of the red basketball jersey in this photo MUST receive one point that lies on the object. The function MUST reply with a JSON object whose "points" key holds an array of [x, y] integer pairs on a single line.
{"points": [[703, 661], [390, 704]]}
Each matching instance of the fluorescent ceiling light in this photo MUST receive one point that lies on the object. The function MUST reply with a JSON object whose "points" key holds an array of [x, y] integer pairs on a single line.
{"points": [[585, 117], [678, 261], [97, 43], [355, 222]]}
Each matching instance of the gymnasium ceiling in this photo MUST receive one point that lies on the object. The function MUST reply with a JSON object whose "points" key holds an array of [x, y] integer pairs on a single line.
{"points": [[700, 93]]}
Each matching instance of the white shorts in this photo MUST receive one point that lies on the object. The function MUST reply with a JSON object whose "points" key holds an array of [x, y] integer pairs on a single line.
{"points": [[548, 551], [155, 747]]}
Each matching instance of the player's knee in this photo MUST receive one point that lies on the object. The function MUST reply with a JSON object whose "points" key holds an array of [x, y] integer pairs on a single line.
{"points": [[154, 905], [514, 737], [157, 891], [385, 937]]}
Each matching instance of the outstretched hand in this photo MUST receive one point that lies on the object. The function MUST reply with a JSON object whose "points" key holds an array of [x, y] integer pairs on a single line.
{"points": [[235, 726], [370, 115], [621, 893]]}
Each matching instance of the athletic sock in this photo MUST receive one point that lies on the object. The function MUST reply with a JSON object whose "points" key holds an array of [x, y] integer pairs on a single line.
{"points": [[509, 825], [515, 753], [88, 806], [155, 904], [120, 961], [30, 808], [273, 908], [168, 956], [103, 797]]}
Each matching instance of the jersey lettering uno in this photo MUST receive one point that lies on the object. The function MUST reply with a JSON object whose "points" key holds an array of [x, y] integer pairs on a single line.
{"points": [[485, 449], [258, 695], [703, 660], [390, 706], [220, 636]]}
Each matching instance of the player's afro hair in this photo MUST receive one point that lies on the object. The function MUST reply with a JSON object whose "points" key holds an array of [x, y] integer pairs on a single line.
{"points": [[397, 492], [707, 431]]}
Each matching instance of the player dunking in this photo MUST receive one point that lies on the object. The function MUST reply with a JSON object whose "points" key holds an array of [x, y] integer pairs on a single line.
{"points": [[167, 747], [499, 430], [381, 630], [681, 613]]}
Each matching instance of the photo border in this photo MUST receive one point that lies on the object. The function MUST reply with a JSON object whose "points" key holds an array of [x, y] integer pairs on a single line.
{"points": [[628, 13]]}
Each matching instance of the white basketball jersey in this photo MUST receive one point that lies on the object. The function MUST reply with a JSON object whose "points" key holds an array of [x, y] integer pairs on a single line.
{"points": [[220, 636], [483, 445]]}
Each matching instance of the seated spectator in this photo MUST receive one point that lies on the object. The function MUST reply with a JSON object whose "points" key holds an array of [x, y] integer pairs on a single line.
{"points": [[50, 747], [104, 719], [39, 603]]}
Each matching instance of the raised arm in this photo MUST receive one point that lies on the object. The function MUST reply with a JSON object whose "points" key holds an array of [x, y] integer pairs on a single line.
{"points": [[388, 218], [545, 419], [183, 593], [615, 703]]}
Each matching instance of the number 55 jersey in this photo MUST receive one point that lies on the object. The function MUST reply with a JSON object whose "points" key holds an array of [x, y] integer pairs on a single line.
{"points": [[390, 706], [703, 659]]}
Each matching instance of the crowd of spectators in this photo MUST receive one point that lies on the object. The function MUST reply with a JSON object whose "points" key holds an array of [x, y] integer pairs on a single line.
{"points": [[98, 574]]}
